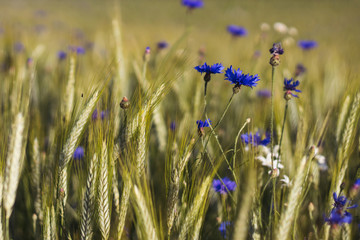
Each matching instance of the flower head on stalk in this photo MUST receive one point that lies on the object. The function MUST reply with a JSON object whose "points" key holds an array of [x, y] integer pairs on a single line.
{"points": [[307, 44], [208, 70], [201, 124], [338, 214], [192, 4], [239, 79], [79, 153], [223, 227], [255, 139], [225, 186], [237, 31], [289, 86], [276, 51]]}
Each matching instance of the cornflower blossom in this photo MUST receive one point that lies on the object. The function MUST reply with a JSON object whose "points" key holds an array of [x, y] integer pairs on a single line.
{"points": [[307, 44], [162, 45], [263, 93], [77, 49], [173, 126], [19, 47], [61, 55], [355, 188], [223, 227], [289, 86], [239, 79], [209, 69], [237, 31], [192, 4], [225, 186], [255, 139], [79, 153], [299, 70], [338, 214], [276, 51], [201, 124], [95, 115]]}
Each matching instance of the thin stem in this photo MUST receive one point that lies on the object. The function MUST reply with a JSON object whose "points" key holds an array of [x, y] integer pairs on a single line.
{"points": [[272, 116], [221, 118], [283, 126], [236, 141]]}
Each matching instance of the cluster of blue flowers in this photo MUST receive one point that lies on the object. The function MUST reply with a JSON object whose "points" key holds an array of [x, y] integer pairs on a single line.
{"points": [[225, 186], [234, 76], [338, 214], [255, 139]]}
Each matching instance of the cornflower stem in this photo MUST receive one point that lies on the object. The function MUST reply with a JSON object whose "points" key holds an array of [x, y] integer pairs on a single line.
{"points": [[236, 141], [283, 126], [222, 152], [216, 173], [272, 141]]}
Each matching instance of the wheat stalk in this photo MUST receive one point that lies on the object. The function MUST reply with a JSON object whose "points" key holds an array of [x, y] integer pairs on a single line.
{"points": [[294, 198], [13, 165], [342, 115], [70, 89], [125, 197], [144, 215], [194, 211], [71, 142], [36, 162], [103, 196], [89, 200]]}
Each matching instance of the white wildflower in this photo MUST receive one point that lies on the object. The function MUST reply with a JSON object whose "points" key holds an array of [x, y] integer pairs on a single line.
{"points": [[285, 181], [280, 27], [293, 31], [264, 27]]}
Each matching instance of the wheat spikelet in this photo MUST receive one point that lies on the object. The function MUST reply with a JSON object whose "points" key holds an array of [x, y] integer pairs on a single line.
{"points": [[13, 165], [115, 186], [197, 228], [72, 140], [141, 151], [194, 211], [53, 223], [287, 218], [47, 225], [342, 115], [70, 89], [88, 201], [103, 196], [160, 128], [1, 214], [240, 230], [125, 197], [141, 116], [36, 162], [143, 213], [174, 187]]}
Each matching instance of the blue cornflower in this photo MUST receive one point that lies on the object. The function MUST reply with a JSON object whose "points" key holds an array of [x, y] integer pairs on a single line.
{"points": [[225, 187], [277, 49], [102, 115], [61, 55], [263, 93], [77, 49], [191, 4], [210, 69], [79, 153], [289, 86], [338, 217], [19, 47], [222, 228], [300, 70], [236, 77], [340, 202], [237, 31], [307, 44], [201, 124], [173, 126], [255, 139], [162, 45]]}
